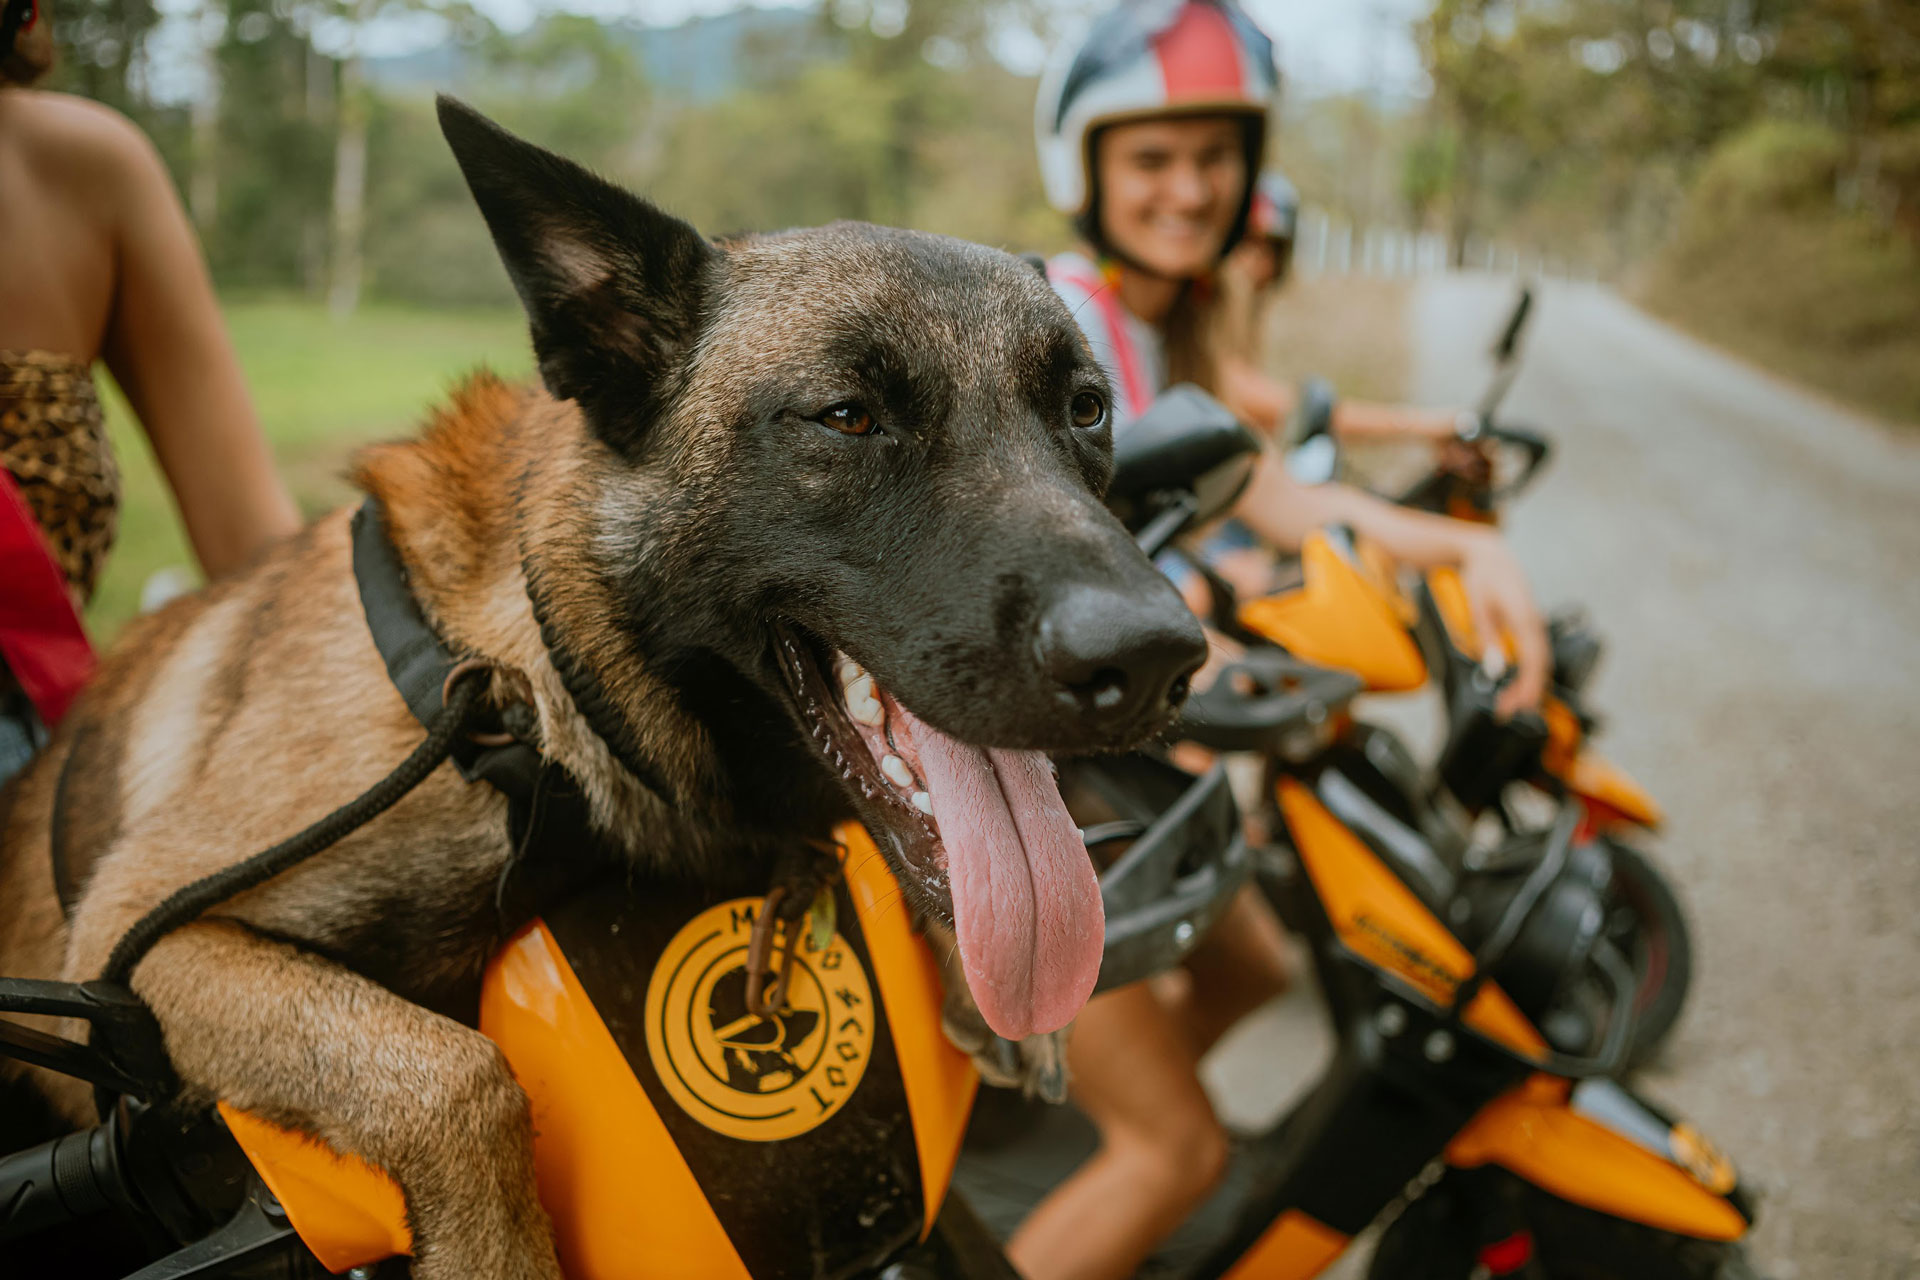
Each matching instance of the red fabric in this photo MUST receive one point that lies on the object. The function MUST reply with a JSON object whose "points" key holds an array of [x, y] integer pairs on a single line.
{"points": [[41, 638], [1133, 383], [1504, 1257], [1200, 57]]}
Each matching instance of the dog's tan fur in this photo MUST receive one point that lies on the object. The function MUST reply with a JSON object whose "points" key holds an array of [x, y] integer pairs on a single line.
{"points": [[271, 680]]}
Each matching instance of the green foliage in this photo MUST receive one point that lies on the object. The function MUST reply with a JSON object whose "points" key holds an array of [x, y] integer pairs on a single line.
{"points": [[1427, 167], [1767, 263], [892, 113], [100, 43], [321, 387], [1771, 165], [273, 155]]}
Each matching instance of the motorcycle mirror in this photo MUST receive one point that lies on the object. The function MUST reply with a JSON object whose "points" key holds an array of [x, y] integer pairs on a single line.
{"points": [[1186, 458], [1516, 324], [1313, 416], [1504, 353], [1314, 454]]}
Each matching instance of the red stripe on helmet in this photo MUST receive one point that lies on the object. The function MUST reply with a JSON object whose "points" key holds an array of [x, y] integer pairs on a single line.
{"points": [[1199, 56]]}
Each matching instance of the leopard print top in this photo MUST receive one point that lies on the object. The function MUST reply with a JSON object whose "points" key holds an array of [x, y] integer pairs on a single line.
{"points": [[54, 442]]}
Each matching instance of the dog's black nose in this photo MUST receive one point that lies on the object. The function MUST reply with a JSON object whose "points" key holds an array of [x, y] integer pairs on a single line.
{"points": [[1122, 660]]}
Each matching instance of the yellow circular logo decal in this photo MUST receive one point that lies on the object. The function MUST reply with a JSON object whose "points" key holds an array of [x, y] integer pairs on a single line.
{"points": [[757, 1079]]}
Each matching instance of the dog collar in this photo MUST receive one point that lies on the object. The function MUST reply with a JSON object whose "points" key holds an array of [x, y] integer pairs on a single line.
{"points": [[418, 662], [556, 849]]}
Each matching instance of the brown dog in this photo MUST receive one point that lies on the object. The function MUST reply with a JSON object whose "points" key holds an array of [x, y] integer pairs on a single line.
{"points": [[804, 527]]}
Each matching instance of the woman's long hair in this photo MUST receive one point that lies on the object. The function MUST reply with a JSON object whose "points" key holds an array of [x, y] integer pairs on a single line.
{"points": [[1192, 329]]}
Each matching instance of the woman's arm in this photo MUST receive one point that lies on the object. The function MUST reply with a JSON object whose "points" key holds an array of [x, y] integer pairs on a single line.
{"points": [[1356, 421], [1283, 511], [168, 349], [1265, 403]]}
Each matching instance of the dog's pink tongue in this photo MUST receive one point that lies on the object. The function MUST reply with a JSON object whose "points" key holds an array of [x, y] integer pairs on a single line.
{"points": [[1026, 904]]}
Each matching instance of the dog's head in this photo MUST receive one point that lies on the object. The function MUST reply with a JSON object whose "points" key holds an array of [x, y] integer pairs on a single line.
{"points": [[850, 507]]}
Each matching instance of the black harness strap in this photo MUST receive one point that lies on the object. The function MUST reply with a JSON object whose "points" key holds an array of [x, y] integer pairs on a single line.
{"points": [[418, 663], [555, 847]]}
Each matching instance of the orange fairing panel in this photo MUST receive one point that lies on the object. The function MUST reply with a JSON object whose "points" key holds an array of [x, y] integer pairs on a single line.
{"points": [[1593, 777], [1381, 570], [1450, 597], [349, 1213], [599, 1146], [1536, 1134], [1590, 775], [1379, 918], [1295, 1247], [1340, 619], [940, 1080]]}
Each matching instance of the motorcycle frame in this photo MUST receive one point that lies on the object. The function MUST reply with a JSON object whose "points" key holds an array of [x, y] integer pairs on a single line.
{"points": [[1419, 1084]]}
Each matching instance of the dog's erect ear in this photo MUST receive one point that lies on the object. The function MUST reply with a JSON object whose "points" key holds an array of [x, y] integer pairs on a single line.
{"points": [[612, 286]]}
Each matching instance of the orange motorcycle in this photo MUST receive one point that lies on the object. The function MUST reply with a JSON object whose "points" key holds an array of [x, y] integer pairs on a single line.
{"points": [[678, 1133], [1489, 766]]}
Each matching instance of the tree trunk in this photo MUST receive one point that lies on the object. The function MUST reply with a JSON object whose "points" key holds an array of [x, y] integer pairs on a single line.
{"points": [[203, 182], [349, 193], [1466, 189]]}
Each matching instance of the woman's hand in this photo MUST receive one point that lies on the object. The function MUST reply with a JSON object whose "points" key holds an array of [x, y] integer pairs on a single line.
{"points": [[1282, 511], [1503, 606]]}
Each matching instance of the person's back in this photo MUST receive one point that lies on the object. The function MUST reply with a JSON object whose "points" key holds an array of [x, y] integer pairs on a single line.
{"points": [[98, 263], [71, 169]]}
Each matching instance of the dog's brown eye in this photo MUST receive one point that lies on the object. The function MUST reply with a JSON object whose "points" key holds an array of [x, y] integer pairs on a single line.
{"points": [[1089, 410], [848, 419]]}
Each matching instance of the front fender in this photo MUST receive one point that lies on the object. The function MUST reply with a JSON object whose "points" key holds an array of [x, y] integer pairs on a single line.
{"points": [[1598, 1145]]}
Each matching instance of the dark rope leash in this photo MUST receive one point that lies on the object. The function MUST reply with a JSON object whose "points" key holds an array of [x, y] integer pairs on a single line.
{"points": [[187, 904]]}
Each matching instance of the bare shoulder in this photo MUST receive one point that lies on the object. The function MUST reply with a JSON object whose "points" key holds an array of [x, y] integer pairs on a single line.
{"points": [[79, 138]]}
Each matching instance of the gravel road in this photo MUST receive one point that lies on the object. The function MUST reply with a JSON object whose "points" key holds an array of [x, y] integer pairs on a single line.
{"points": [[1752, 555]]}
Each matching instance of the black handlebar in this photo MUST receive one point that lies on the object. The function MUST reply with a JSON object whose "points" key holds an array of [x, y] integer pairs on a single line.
{"points": [[1535, 446]]}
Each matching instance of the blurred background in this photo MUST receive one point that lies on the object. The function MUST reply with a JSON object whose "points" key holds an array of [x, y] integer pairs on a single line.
{"points": [[1747, 168]]}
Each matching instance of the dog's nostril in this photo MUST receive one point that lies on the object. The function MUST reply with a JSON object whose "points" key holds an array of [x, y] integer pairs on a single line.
{"points": [[1120, 657], [1105, 691], [1178, 690]]}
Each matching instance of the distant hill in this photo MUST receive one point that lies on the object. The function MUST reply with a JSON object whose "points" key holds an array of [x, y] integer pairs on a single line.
{"points": [[700, 60]]}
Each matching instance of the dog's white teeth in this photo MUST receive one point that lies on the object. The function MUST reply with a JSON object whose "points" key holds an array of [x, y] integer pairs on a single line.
{"points": [[863, 704], [848, 670], [922, 801], [896, 770]]}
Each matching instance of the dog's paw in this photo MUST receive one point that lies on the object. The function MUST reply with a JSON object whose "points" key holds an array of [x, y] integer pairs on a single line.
{"points": [[1037, 1065]]}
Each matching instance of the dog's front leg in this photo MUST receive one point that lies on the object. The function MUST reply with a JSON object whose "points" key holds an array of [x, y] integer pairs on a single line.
{"points": [[300, 1041]]}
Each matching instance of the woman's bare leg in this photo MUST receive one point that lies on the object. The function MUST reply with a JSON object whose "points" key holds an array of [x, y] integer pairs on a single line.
{"points": [[1240, 966], [1162, 1151]]}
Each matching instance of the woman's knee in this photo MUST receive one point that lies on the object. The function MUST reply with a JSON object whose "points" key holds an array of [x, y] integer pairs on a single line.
{"points": [[1187, 1150]]}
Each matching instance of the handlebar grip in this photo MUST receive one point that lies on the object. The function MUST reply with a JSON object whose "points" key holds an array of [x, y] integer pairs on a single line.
{"points": [[63, 1181]]}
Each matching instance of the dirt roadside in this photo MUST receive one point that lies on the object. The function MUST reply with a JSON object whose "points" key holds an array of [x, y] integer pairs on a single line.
{"points": [[1749, 551]]}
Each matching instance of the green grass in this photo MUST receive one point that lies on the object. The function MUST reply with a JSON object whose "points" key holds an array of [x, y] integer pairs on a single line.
{"points": [[322, 388]]}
